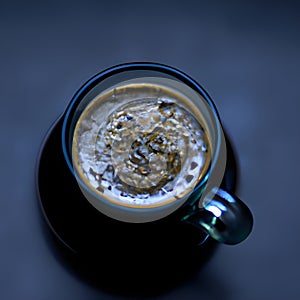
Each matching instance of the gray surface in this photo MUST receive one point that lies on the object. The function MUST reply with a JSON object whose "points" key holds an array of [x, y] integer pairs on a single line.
{"points": [[247, 58]]}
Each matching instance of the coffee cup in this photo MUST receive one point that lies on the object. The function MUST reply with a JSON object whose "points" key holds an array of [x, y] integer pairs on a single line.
{"points": [[145, 144]]}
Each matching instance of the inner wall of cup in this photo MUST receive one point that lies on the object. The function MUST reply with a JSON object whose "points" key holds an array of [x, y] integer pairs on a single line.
{"points": [[199, 101]]}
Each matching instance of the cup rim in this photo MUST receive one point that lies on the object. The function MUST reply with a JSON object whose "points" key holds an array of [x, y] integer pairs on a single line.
{"points": [[151, 66]]}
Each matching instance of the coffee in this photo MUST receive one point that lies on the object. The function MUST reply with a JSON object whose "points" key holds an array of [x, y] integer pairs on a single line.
{"points": [[141, 145]]}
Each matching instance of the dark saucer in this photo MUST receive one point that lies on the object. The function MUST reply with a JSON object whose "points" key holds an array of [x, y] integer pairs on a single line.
{"points": [[120, 257]]}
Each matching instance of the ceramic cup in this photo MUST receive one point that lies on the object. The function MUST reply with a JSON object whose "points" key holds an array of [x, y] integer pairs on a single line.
{"points": [[145, 144]]}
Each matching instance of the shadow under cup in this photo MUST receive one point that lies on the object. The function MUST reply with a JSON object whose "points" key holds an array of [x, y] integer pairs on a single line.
{"points": [[138, 258]]}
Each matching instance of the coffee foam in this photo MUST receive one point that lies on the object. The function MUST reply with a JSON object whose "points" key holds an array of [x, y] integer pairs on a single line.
{"points": [[141, 145]]}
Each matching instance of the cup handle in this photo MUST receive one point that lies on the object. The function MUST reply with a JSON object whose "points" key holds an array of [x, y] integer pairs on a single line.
{"points": [[223, 216]]}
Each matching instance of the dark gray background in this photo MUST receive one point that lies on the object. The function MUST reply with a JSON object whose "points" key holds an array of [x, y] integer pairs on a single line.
{"points": [[246, 55]]}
